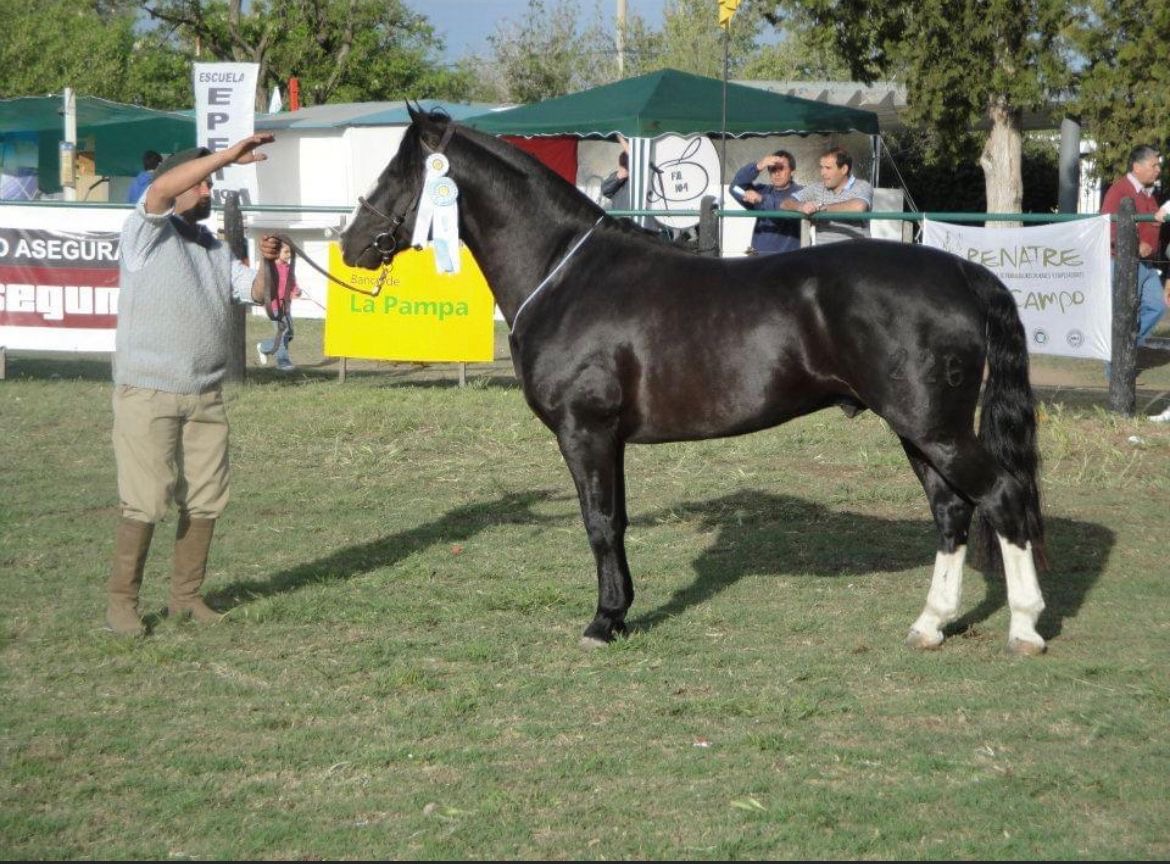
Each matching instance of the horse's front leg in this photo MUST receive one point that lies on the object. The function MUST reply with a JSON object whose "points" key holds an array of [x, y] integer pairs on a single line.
{"points": [[595, 457]]}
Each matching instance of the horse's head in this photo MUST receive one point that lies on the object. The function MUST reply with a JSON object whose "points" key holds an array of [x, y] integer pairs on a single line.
{"points": [[383, 220]]}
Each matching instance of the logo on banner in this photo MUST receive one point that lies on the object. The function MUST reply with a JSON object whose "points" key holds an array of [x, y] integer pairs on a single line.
{"points": [[685, 169], [420, 316], [58, 279]]}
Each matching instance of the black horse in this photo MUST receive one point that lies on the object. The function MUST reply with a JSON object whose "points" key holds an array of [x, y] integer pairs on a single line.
{"points": [[618, 337]]}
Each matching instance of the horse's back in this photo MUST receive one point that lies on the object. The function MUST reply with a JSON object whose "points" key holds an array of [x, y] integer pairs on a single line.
{"points": [[702, 347]]}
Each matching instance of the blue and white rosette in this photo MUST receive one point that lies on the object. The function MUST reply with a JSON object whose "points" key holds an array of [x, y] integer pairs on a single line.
{"points": [[438, 214]]}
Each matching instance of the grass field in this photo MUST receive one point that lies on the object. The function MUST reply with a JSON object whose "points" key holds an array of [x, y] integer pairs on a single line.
{"points": [[406, 578]]}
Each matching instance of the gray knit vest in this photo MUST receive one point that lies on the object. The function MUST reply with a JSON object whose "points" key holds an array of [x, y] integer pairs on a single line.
{"points": [[174, 305]]}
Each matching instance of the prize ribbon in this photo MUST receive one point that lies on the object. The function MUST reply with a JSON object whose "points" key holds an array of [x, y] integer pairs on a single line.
{"points": [[438, 214]]}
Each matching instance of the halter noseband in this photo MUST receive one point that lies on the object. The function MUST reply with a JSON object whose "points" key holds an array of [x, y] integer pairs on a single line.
{"points": [[384, 242]]}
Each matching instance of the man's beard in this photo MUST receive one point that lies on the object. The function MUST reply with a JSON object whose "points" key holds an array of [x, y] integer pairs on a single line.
{"points": [[201, 211], [197, 212]]}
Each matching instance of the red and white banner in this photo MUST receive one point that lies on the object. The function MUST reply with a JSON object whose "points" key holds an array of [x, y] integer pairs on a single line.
{"points": [[59, 278]]}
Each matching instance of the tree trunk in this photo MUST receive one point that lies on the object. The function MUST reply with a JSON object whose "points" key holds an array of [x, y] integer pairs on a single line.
{"points": [[1001, 160]]}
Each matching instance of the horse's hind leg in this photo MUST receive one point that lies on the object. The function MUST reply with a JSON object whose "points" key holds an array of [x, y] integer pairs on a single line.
{"points": [[952, 516], [977, 477], [595, 459]]}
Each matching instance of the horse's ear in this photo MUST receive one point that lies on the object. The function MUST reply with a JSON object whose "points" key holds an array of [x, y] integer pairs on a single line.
{"points": [[430, 127]]}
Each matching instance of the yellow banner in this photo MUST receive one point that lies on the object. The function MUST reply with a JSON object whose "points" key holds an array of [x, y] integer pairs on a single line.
{"points": [[726, 10], [419, 315]]}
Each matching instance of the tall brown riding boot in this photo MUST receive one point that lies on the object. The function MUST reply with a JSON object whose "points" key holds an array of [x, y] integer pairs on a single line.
{"points": [[131, 543], [192, 543]]}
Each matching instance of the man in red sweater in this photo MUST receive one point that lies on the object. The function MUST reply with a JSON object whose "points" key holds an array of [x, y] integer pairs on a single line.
{"points": [[1145, 166]]}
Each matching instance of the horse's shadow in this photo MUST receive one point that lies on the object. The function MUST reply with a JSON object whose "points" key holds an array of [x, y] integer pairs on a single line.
{"points": [[756, 534], [763, 534]]}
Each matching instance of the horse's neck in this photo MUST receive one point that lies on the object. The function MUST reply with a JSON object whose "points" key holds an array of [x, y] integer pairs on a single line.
{"points": [[517, 237]]}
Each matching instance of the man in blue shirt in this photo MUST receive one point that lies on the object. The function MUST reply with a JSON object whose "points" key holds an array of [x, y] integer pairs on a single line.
{"points": [[150, 161], [770, 235]]}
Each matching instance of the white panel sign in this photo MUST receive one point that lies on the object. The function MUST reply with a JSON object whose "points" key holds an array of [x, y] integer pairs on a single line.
{"points": [[1060, 275], [683, 170], [225, 112]]}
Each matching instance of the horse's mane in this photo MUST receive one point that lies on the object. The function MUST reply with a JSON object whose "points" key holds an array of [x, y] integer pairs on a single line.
{"points": [[520, 166]]}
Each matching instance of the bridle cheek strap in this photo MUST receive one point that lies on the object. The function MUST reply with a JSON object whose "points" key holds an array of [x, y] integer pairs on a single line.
{"points": [[444, 140], [384, 242]]}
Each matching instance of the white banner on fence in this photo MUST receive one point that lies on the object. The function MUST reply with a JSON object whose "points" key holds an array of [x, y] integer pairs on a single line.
{"points": [[225, 112], [59, 278], [1060, 276]]}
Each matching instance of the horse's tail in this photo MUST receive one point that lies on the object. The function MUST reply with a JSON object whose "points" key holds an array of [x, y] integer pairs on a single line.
{"points": [[1007, 422]]}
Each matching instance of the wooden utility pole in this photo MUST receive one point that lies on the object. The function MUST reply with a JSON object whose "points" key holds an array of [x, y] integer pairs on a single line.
{"points": [[1123, 371], [619, 38]]}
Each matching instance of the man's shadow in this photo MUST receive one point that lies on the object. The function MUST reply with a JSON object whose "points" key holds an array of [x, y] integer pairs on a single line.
{"points": [[763, 534], [455, 526]]}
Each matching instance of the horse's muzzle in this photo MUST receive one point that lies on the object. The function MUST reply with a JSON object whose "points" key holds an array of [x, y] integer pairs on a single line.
{"points": [[367, 258]]}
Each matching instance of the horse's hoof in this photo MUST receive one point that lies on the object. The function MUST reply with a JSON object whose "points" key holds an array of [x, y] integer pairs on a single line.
{"points": [[920, 641], [1025, 648], [591, 642]]}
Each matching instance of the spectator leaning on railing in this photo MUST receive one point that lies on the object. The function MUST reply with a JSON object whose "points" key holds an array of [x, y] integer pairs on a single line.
{"points": [[838, 192]]}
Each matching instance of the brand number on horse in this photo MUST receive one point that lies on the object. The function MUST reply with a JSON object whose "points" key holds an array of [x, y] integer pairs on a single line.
{"points": [[927, 367]]}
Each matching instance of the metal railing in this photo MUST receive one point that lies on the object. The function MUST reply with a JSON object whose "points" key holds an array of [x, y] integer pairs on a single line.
{"points": [[1122, 382]]}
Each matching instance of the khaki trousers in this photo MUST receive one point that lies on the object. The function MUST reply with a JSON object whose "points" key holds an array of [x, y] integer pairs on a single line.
{"points": [[170, 447]]}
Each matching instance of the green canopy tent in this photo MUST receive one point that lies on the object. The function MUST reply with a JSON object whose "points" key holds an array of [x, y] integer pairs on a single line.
{"points": [[669, 102], [118, 133]]}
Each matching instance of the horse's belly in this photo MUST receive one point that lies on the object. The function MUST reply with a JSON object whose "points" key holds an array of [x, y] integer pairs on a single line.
{"points": [[696, 406]]}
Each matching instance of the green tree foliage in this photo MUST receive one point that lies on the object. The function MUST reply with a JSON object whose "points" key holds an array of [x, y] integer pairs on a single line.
{"points": [[140, 51], [795, 58], [546, 54], [692, 40], [93, 47], [966, 63], [956, 185], [1123, 93], [339, 50]]}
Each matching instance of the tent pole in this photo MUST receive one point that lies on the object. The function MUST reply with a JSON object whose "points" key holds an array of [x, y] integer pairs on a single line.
{"points": [[620, 38], [723, 123], [723, 140], [69, 151]]}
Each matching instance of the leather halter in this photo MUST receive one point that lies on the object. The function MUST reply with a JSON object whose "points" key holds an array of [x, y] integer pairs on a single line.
{"points": [[384, 242]]}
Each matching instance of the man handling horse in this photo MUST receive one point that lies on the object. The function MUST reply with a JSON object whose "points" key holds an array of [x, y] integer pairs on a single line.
{"points": [[178, 283]]}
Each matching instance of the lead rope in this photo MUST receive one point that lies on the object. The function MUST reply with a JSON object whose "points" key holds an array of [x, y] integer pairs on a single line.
{"points": [[300, 253], [555, 270]]}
